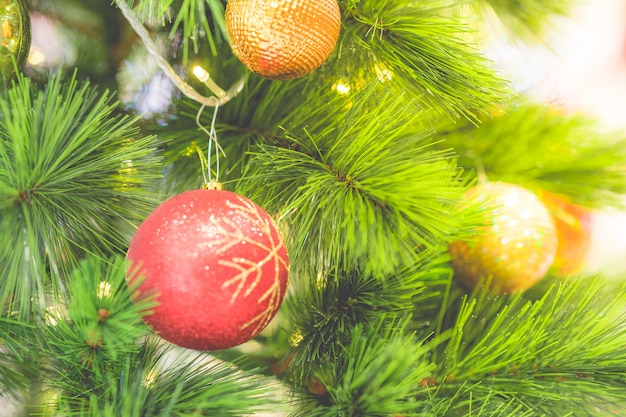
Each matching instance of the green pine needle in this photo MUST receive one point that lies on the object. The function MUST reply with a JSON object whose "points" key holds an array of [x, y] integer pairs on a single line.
{"points": [[99, 325], [463, 403], [16, 356], [358, 193], [377, 373], [166, 381], [421, 49], [537, 146], [560, 354], [198, 18], [72, 181], [208, 387], [325, 310]]}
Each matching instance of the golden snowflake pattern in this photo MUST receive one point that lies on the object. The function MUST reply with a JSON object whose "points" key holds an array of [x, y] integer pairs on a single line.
{"points": [[249, 273]]}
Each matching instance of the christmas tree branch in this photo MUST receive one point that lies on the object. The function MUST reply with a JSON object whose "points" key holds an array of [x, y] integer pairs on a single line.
{"points": [[100, 341], [418, 48], [98, 327], [73, 182], [464, 403], [554, 355], [251, 117], [162, 380], [351, 194], [17, 364], [330, 307], [376, 373], [537, 146]]}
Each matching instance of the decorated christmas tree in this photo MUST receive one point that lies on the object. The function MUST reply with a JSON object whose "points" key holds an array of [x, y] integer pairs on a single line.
{"points": [[297, 207]]}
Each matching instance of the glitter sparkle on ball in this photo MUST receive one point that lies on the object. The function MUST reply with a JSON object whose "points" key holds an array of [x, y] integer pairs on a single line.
{"points": [[217, 265], [517, 245]]}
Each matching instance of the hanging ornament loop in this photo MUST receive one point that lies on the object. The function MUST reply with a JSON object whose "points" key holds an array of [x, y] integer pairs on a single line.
{"points": [[210, 183], [221, 96]]}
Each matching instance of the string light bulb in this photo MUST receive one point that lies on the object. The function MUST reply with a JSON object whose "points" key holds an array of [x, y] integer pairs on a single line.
{"points": [[204, 77], [200, 73]]}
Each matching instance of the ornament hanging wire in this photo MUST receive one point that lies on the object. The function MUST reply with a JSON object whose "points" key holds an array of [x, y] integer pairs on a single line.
{"points": [[209, 183], [221, 96]]}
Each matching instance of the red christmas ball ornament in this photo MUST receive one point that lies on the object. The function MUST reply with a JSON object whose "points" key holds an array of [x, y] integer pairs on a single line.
{"points": [[517, 245], [217, 264], [282, 39]]}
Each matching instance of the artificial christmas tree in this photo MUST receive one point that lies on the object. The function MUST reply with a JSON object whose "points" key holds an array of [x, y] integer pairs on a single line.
{"points": [[362, 164]]}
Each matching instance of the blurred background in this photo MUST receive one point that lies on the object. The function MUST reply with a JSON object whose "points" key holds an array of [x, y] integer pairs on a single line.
{"points": [[581, 67]]}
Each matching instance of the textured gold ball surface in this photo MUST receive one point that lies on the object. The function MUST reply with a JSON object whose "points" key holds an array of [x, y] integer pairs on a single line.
{"points": [[517, 245], [283, 39], [15, 35]]}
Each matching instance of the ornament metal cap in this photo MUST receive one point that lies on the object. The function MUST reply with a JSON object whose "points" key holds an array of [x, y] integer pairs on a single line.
{"points": [[213, 185]]}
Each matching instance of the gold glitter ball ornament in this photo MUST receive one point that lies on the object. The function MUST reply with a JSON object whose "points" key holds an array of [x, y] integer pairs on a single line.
{"points": [[283, 39], [15, 35], [517, 245]]}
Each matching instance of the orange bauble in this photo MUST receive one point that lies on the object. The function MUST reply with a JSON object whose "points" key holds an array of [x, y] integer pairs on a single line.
{"points": [[283, 39], [517, 245], [573, 224]]}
